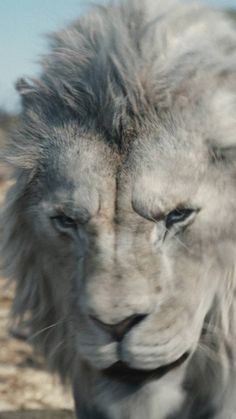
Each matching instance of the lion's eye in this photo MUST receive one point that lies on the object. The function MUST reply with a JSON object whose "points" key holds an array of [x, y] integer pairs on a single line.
{"points": [[64, 222], [179, 215]]}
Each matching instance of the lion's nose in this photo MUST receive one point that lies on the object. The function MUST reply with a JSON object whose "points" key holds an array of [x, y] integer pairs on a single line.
{"points": [[119, 330]]}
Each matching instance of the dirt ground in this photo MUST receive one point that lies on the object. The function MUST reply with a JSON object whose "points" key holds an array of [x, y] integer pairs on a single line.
{"points": [[24, 383]]}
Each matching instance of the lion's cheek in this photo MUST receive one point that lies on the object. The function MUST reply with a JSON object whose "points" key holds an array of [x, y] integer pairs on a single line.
{"points": [[151, 347]]}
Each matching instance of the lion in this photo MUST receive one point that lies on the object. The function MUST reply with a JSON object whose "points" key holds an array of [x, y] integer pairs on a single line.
{"points": [[119, 229]]}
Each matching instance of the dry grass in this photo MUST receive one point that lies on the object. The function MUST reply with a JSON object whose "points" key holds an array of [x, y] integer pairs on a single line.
{"points": [[38, 414]]}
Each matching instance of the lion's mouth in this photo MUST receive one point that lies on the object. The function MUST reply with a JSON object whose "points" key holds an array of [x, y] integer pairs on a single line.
{"points": [[123, 373]]}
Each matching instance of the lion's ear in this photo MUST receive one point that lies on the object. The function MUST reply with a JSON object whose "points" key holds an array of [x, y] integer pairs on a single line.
{"points": [[222, 134], [26, 90], [222, 153]]}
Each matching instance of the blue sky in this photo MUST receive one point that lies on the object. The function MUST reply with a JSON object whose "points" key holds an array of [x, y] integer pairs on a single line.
{"points": [[23, 23]]}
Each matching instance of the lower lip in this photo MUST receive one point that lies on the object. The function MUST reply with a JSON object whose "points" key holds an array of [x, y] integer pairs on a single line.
{"points": [[122, 373]]}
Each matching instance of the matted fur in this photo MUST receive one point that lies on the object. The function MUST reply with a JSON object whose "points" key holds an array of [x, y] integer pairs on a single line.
{"points": [[133, 116]]}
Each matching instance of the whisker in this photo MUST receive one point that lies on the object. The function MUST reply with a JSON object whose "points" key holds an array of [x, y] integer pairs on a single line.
{"points": [[178, 240], [45, 329]]}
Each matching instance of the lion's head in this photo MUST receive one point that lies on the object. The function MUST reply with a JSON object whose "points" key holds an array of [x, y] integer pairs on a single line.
{"points": [[120, 229]]}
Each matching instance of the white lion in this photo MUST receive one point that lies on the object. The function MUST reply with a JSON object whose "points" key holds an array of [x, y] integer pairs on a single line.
{"points": [[120, 229]]}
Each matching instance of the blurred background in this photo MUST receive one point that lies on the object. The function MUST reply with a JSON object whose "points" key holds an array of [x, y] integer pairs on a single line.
{"points": [[24, 383]]}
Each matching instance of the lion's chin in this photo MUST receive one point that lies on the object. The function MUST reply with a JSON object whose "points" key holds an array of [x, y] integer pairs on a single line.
{"points": [[121, 372]]}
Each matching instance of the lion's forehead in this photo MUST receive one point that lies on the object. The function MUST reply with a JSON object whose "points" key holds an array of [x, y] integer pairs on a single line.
{"points": [[152, 177]]}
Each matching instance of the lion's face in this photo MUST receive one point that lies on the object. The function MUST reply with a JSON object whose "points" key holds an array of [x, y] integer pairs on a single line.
{"points": [[133, 247]]}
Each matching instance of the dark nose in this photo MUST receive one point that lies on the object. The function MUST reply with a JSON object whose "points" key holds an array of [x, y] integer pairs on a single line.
{"points": [[119, 330]]}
